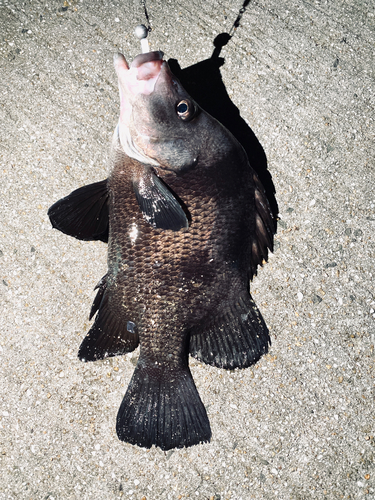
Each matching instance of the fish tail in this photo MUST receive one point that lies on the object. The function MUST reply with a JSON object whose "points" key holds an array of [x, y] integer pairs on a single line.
{"points": [[236, 339], [162, 407]]}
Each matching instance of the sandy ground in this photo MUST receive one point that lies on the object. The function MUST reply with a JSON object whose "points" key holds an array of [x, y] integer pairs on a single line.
{"points": [[300, 424]]}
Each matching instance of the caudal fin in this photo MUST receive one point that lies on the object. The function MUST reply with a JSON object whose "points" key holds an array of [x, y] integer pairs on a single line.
{"points": [[162, 407], [235, 339]]}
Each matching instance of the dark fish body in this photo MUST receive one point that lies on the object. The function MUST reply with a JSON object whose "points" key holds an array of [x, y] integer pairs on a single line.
{"points": [[187, 223]]}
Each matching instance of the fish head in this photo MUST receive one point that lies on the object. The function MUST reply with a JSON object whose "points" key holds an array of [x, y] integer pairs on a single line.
{"points": [[160, 124]]}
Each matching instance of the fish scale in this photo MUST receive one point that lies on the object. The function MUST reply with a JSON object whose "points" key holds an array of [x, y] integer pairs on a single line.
{"points": [[187, 223]]}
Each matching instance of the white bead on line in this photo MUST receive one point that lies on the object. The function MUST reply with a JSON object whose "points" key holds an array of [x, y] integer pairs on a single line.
{"points": [[141, 33]]}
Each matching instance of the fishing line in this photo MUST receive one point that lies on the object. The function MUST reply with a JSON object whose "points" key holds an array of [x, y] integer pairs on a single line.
{"points": [[141, 31], [143, 3], [239, 17]]}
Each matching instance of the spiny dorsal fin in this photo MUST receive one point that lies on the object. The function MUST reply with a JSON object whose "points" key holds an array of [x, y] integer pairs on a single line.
{"points": [[264, 227]]}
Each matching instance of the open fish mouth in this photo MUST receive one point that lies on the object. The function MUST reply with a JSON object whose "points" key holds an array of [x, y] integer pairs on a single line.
{"points": [[141, 76], [148, 66], [138, 79], [147, 57]]}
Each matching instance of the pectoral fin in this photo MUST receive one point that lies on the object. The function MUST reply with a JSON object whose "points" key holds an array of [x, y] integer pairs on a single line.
{"points": [[158, 204], [83, 213]]}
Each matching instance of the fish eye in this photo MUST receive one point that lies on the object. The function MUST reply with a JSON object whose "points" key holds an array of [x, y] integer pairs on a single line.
{"points": [[182, 107], [185, 110]]}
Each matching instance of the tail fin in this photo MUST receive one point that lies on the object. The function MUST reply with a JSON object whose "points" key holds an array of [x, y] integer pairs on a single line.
{"points": [[162, 407], [237, 339]]}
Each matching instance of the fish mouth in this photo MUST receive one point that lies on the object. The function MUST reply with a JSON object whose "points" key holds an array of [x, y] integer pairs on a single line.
{"points": [[146, 57], [148, 65], [141, 76], [137, 80]]}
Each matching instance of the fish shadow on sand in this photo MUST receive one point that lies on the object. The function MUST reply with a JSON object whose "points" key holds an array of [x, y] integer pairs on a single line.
{"points": [[203, 81]]}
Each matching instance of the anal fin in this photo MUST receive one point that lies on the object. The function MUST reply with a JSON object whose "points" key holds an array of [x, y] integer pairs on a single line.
{"points": [[237, 339]]}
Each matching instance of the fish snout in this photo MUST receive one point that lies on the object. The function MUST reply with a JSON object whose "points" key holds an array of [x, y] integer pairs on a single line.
{"points": [[140, 77], [148, 65], [140, 59]]}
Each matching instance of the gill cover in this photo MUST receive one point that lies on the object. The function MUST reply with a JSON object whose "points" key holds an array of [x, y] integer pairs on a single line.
{"points": [[156, 115]]}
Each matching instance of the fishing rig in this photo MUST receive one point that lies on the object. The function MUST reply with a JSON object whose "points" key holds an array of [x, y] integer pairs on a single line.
{"points": [[141, 32]]}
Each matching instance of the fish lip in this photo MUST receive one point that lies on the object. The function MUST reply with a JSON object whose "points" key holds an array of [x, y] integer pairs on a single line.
{"points": [[140, 59]]}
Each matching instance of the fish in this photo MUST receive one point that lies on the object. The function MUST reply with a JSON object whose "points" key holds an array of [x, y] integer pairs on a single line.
{"points": [[187, 223]]}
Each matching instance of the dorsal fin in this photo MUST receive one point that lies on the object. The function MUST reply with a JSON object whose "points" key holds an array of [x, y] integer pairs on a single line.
{"points": [[264, 227]]}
